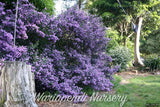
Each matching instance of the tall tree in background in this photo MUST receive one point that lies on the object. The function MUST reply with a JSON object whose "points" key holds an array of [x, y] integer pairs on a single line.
{"points": [[120, 19], [137, 59]]}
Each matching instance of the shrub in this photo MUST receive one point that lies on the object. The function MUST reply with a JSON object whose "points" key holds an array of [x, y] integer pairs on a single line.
{"points": [[66, 52], [121, 56], [153, 62]]}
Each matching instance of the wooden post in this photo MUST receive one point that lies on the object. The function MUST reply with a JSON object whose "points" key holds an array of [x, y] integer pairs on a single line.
{"points": [[17, 85]]}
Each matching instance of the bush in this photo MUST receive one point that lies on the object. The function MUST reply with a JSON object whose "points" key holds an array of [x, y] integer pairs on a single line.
{"points": [[121, 56], [66, 52], [153, 62]]}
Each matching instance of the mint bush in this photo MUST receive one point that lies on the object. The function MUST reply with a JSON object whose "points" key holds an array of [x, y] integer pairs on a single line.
{"points": [[66, 52]]}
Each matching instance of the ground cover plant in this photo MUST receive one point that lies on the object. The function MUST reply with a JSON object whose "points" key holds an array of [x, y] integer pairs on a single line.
{"points": [[67, 53]]}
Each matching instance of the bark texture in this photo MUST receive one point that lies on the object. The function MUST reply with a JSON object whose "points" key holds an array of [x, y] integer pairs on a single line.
{"points": [[17, 84]]}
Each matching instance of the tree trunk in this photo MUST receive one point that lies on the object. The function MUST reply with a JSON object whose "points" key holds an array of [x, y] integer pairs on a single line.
{"points": [[79, 3], [138, 61], [17, 85]]}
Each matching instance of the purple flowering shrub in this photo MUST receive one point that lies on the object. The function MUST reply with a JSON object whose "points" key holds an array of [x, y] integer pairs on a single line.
{"points": [[6, 39], [66, 52]]}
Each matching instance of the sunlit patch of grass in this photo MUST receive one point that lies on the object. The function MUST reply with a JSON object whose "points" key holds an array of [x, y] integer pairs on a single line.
{"points": [[140, 91]]}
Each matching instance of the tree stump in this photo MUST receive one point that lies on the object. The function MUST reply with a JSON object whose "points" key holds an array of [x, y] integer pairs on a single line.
{"points": [[17, 85]]}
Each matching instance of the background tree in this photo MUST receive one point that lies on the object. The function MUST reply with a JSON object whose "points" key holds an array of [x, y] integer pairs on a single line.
{"points": [[41, 5], [44, 5], [121, 14], [151, 43]]}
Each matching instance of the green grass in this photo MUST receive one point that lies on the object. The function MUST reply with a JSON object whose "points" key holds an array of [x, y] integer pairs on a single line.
{"points": [[140, 91]]}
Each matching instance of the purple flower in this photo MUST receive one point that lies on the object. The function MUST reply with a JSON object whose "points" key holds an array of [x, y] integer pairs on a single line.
{"points": [[66, 52]]}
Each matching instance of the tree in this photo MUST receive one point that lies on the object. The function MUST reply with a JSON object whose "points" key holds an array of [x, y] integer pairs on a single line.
{"points": [[79, 4], [137, 58], [120, 14], [151, 43], [41, 5], [44, 5]]}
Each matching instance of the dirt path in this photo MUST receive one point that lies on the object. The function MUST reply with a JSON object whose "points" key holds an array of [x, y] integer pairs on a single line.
{"points": [[133, 73], [130, 74]]}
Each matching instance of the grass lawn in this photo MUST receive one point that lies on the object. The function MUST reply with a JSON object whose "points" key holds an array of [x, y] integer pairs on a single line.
{"points": [[140, 90]]}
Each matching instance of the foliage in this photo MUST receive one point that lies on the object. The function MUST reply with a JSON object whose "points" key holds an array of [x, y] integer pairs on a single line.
{"points": [[66, 52], [88, 90], [121, 56], [153, 62], [44, 5], [114, 16], [110, 11], [114, 36], [41, 5], [151, 43], [123, 16]]}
